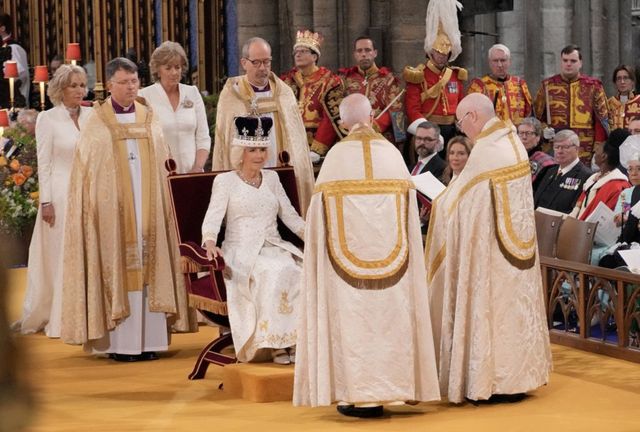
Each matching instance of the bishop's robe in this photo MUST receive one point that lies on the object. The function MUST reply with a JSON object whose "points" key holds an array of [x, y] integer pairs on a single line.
{"points": [[239, 98], [104, 259], [483, 272], [364, 334]]}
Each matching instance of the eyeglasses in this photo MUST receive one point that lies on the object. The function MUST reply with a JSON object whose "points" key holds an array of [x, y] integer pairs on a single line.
{"points": [[527, 133], [258, 63], [563, 146], [623, 78], [301, 51], [426, 139], [459, 122]]}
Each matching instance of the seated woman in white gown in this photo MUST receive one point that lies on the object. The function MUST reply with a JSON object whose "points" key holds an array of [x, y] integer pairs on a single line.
{"points": [[262, 270]]}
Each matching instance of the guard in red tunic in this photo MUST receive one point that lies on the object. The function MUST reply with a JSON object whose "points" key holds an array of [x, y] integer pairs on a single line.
{"points": [[379, 85], [509, 94], [309, 84], [574, 101], [434, 89]]}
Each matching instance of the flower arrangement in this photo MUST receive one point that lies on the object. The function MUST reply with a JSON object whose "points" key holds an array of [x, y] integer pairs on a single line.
{"points": [[19, 182]]}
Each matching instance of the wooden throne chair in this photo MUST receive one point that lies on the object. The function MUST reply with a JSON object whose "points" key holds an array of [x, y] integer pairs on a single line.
{"points": [[189, 195]]}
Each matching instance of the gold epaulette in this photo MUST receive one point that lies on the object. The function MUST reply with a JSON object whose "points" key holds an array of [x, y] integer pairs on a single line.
{"points": [[413, 75], [462, 73]]}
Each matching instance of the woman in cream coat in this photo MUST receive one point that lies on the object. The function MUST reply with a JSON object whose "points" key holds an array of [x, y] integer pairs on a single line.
{"points": [[179, 108], [57, 131]]}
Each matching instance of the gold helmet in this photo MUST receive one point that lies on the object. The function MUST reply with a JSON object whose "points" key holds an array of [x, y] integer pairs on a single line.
{"points": [[443, 34]]}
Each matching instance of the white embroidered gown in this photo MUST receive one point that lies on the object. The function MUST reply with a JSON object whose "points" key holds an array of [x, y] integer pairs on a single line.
{"points": [[56, 137], [263, 284]]}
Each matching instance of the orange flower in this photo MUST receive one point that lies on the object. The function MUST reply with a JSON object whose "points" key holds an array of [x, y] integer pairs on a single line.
{"points": [[15, 165], [35, 195], [3, 162], [26, 170], [18, 179]]}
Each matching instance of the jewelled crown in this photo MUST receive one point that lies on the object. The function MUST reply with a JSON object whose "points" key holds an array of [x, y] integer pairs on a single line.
{"points": [[309, 39], [252, 131]]}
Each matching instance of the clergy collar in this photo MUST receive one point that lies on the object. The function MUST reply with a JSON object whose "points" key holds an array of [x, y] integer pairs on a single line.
{"points": [[257, 89], [119, 109]]}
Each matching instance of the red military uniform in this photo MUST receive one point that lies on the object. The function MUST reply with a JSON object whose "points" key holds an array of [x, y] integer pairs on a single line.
{"points": [[511, 97], [579, 105], [379, 85], [620, 114], [433, 94], [310, 93]]}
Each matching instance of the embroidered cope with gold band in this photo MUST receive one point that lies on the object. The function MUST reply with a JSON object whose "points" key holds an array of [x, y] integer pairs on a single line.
{"points": [[508, 186], [345, 243]]}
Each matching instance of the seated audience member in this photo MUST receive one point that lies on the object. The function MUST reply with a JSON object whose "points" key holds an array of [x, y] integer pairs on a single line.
{"points": [[634, 126], [427, 138], [604, 186], [625, 216], [530, 133], [264, 270], [558, 187], [458, 151]]}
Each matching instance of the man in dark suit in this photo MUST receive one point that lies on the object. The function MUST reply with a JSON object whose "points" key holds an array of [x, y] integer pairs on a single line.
{"points": [[559, 186], [427, 137]]}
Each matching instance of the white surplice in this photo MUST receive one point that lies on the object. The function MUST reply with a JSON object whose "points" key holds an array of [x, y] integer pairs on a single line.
{"points": [[186, 129], [365, 332], [143, 330], [56, 137], [262, 271], [483, 270]]}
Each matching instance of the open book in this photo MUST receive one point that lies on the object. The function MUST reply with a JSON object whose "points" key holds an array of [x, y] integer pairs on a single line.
{"points": [[607, 232], [428, 185]]}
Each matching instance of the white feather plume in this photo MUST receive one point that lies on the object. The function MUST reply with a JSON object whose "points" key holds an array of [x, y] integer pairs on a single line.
{"points": [[443, 12]]}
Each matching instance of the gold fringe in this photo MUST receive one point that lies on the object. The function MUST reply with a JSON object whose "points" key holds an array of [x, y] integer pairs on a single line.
{"points": [[207, 304], [187, 265]]}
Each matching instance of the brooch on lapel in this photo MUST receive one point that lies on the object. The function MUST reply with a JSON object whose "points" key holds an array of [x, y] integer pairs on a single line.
{"points": [[188, 103]]}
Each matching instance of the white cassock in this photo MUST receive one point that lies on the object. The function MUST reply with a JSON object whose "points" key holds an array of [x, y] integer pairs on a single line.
{"points": [[483, 270], [365, 331], [142, 330]]}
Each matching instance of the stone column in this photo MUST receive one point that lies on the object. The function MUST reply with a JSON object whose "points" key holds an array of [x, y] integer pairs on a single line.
{"points": [[581, 32], [407, 32], [264, 24], [325, 21], [379, 30], [294, 15], [557, 21], [600, 43], [532, 48]]}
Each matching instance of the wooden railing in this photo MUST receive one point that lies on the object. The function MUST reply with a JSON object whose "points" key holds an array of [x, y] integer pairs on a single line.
{"points": [[592, 308]]}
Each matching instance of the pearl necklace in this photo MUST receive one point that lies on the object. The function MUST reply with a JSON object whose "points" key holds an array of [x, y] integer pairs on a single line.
{"points": [[255, 182]]}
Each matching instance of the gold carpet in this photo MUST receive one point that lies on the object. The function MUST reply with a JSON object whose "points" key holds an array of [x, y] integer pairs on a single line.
{"points": [[77, 392]]}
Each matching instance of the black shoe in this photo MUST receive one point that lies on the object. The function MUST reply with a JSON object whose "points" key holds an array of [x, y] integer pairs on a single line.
{"points": [[507, 398], [149, 355], [353, 411], [127, 358]]}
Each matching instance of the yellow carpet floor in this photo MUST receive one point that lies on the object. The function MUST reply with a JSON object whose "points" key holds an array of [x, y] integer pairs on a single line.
{"points": [[77, 392]]}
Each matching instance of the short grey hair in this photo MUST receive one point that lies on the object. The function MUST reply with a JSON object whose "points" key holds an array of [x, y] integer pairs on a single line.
{"points": [[567, 135], [236, 154], [119, 63], [62, 79], [534, 123], [167, 52], [251, 41], [429, 125], [355, 108], [500, 47]]}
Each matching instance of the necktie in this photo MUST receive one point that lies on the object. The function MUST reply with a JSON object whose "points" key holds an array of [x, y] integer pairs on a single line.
{"points": [[417, 168]]}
